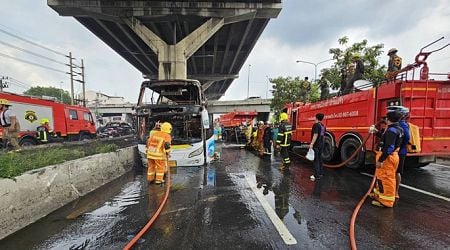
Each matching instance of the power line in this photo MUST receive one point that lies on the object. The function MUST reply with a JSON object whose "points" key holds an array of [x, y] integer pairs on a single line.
{"points": [[31, 42], [19, 82], [32, 63], [31, 52]]}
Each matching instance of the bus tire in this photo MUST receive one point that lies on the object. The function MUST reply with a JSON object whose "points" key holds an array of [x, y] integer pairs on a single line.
{"points": [[348, 147], [328, 149], [27, 142]]}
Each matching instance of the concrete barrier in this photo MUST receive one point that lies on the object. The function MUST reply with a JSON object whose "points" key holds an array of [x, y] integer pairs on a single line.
{"points": [[35, 194]]}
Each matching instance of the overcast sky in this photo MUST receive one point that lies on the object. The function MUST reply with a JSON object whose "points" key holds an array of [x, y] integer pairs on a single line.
{"points": [[304, 30]]}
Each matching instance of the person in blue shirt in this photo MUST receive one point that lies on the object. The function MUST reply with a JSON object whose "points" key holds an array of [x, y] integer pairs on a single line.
{"points": [[403, 151]]}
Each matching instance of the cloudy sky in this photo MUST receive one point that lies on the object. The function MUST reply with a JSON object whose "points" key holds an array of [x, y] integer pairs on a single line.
{"points": [[304, 30]]}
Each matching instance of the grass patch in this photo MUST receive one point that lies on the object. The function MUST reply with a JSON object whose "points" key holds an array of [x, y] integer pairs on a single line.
{"points": [[16, 163], [106, 148]]}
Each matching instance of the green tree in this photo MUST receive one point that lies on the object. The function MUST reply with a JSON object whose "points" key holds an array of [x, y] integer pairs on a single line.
{"points": [[343, 56], [49, 91], [290, 90]]}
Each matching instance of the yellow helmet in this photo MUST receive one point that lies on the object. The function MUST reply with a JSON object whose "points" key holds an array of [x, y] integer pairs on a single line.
{"points": [[283, 117], [45, 120], [166, 128], [4, 102]]}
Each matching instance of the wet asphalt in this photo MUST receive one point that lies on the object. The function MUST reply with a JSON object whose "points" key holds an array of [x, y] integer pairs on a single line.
{"points": [[214, 207]]}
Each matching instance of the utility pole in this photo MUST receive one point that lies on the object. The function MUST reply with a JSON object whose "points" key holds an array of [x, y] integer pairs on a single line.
{"points": [[248, 81], [83, 83], [60, 92], [71, 78]]}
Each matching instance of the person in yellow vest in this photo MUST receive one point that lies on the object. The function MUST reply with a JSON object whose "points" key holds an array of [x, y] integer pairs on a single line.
{"points": [[284, 140], [44, 132], [248, 132], [158, 150], [395, 62]]}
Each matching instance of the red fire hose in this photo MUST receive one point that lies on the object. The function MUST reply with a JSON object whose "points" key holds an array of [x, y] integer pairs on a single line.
{"points": [[154, 217], [363, 199]]}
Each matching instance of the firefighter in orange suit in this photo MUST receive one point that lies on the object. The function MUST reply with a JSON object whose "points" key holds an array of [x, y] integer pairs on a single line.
{"points": [[387, 160], [158, 150]]}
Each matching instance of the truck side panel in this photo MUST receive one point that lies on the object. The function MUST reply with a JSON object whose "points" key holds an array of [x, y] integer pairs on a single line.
{"points": [[29, 115], [429, 104], [350, 113]]}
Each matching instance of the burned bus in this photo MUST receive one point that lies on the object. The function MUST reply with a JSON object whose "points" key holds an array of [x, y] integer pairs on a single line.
{"points": [[183, 104]]}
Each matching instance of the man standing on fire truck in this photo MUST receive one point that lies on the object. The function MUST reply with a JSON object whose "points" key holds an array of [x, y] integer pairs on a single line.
{"points": [[387, 161], [158, 150], [284, 140], [10, 124], [395, 62]]}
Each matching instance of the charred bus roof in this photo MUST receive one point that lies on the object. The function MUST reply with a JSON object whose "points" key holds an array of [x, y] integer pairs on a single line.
{"points": [[178, 91]]}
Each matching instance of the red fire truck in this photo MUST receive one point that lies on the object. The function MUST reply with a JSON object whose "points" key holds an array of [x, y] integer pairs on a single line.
{"points": [[67, 121], [233, 124], [348, 117], [236, 118]]}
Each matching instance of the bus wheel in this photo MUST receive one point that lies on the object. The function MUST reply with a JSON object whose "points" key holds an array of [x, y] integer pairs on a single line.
{"points": [[27, 142], [348, 147], [328, 149]]}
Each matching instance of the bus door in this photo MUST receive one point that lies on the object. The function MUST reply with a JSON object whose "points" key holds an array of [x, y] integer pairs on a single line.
{"points": [[207, 136]]}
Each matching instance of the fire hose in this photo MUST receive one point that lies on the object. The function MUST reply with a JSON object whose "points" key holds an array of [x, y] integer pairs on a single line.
{"points": [[352, 220], [363, 199], [154, 217]]}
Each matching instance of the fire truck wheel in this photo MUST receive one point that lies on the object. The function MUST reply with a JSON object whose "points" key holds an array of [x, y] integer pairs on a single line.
{"points": [[27, 142], [328, 149], [84, 137], [348, 147]]}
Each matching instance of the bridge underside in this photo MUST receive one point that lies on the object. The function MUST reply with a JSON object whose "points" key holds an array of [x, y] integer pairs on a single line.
{"points": [[224, 33]]}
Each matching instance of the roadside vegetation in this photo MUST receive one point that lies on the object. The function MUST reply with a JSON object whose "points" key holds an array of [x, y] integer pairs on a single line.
{"points": [[16, 163]]}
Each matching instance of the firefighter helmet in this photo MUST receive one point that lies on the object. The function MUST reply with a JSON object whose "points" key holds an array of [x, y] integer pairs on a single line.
{"points": [[44, 121], [283, 117], [403, 110], [166, 127], [5, 102], [392, 51]]}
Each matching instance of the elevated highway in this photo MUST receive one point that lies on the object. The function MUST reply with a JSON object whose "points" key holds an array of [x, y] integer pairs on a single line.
{"points": [[204, 40], [221, 107], [214, 107]]}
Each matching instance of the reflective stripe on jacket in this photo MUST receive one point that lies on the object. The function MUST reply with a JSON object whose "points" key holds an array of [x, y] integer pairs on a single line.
{"points": [[158, 145], [284, 134]]}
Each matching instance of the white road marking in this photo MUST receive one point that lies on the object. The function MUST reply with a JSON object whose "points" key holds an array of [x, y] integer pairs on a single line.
{"points": [[417, 190], [277, 222]]}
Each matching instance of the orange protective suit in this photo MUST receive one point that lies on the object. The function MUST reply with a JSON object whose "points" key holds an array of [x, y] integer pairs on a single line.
{"points": [[384, 190], [158, 149]]}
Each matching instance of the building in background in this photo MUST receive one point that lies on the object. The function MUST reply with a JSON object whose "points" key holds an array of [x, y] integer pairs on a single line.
{"points": [[109, 108]]}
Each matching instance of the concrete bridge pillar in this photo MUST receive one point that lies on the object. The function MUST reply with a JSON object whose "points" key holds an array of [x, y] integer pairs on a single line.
{"points": [[172, 59]]}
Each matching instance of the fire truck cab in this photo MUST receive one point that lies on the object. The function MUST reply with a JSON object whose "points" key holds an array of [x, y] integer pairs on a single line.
{"points": [[69, 122]]}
